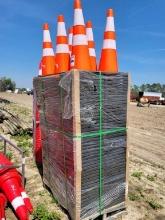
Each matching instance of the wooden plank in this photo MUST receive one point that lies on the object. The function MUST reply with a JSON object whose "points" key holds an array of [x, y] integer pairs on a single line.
{"points": [[115, 216], [77, 142], [112, 209]]}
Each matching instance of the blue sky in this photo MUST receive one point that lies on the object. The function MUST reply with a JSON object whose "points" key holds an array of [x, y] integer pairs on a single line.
{"points": [[140, 27]]}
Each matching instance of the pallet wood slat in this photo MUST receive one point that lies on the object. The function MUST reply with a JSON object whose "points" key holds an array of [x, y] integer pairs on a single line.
{"points": [[71, 109]]}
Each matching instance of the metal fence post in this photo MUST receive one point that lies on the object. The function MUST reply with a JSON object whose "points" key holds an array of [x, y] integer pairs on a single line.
{"points": [[5, 147], [23, 168]]}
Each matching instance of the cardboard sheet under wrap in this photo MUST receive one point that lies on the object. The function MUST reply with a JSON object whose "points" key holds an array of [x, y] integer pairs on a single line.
{"points": [[102, 115]]}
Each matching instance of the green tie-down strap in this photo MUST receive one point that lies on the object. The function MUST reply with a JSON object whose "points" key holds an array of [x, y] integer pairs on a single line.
{"points": [[99, 133]]}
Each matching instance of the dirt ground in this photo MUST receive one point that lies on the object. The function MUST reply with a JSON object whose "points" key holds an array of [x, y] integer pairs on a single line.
{"points": [[21, 99], [146, 131]]}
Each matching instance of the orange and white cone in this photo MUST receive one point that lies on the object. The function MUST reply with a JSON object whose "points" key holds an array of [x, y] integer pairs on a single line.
{"points": [[62, 47], [70, 37], [26, 200], [91, 45], [48, 61], [80, 53], [108, 60], [10, 188]]}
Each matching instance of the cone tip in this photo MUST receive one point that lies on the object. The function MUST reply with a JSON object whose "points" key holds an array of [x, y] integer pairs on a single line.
{"points": [[77, 4], [89, 24], [110, 13], [60, 18], [46, 26]]}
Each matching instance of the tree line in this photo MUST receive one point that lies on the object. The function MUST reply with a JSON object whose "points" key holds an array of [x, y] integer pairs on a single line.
{"points": [[155, 87], [7, 84]]}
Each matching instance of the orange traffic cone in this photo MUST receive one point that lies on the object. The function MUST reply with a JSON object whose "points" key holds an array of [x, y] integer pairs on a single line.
{"points": [[108, 61], [48, 61], [62, 48], [91, 45], [10, 187], [80, 53], [70, 40]]}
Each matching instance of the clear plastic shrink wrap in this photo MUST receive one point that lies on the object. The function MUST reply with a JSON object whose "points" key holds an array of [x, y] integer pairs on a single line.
{"points": [[83, 122]]}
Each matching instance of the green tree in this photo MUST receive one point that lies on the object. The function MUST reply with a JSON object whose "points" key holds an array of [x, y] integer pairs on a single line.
{"points": [[7, 84]]}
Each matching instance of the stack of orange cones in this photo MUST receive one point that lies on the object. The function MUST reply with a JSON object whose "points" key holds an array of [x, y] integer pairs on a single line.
{"points": [[78, 50], [62, 49], [70, 37], [108, 60], [48, 60], [80, 53], [91, 45]]}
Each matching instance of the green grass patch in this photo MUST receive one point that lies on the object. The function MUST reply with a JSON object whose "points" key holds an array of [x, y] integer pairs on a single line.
{"points": [[9, 155], [137, 174], [140, 191], [154, 204], [26, 146], [133, 197], [42, 213], [24, 141], [151, 178], [23, 135]]}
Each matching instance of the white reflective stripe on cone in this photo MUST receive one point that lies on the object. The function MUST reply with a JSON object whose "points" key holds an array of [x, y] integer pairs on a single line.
{"points": [[92, 52], [109, 44], [78, 17], [62, 48], [40, 72], [17, 202], [47, 36], [61, 31], [80, 39], [110, 24], [2, 218], [48, 52], [89, 34], [24, 195]]}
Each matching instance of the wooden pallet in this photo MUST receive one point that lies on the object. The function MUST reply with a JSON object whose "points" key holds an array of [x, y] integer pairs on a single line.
{"points": [[111, 213]]}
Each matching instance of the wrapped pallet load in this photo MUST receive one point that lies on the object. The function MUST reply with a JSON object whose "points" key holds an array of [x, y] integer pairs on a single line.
{"points": [[83, 118]]}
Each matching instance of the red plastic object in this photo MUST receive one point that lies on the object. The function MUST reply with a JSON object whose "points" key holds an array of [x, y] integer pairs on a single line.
{"points": [[26, 200], [10, 185], [37, 135], [3, 203]]}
